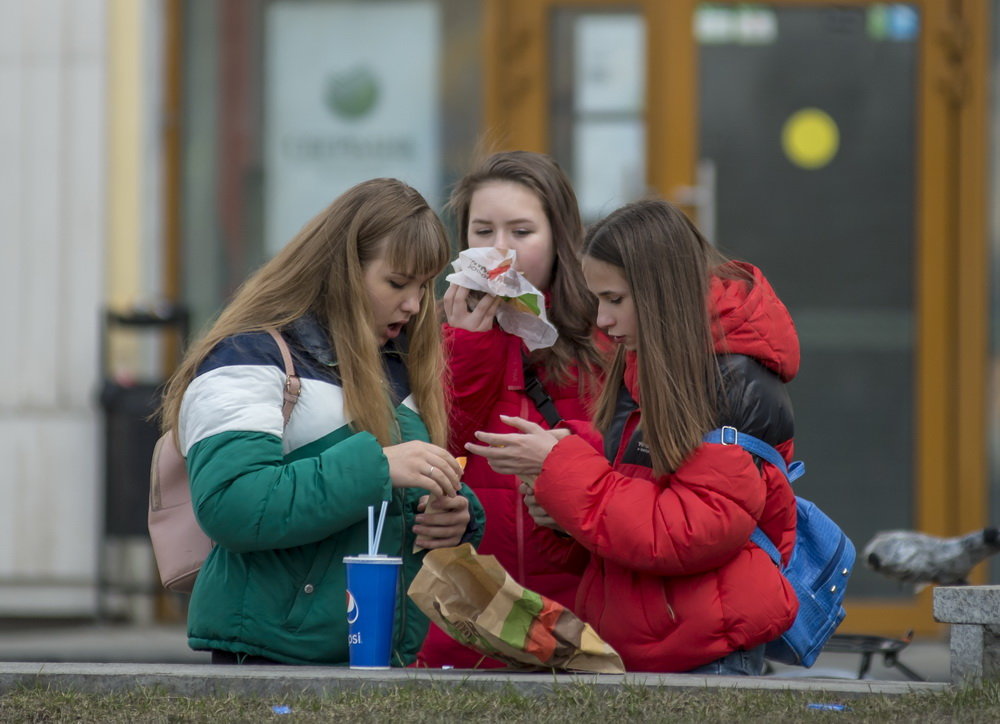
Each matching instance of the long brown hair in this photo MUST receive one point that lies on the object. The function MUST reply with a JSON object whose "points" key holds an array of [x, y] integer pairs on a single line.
{"points": [[321, 271], [572, 308], [667, 265]]}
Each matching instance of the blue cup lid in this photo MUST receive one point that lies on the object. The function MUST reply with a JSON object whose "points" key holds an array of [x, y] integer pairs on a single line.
{"points": [[383, 559]]}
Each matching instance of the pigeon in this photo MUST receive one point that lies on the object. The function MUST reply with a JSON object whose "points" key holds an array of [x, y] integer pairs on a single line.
{"points": [[919, 558]]}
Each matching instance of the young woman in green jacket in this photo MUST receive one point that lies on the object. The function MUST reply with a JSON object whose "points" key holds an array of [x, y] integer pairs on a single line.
{"points": [[351, 294]]}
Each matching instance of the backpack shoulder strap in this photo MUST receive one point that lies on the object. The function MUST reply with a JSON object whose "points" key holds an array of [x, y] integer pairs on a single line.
{"points": [[760, 538], [293, 385], [537, 393], [729, 435]]}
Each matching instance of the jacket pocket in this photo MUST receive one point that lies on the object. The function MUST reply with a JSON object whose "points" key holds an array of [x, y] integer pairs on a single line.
{"points": [[310, 586], [653, 597]]}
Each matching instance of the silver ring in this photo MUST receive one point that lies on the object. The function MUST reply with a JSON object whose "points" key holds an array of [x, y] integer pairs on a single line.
{"points": [[430, 470]]}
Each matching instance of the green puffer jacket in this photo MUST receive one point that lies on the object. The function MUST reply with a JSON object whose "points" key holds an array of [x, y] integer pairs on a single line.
{"points": [[285, 505]]}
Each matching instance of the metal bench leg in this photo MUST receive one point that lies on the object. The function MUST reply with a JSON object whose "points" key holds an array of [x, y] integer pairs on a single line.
{"points": [[891, 660], [866, 663]]}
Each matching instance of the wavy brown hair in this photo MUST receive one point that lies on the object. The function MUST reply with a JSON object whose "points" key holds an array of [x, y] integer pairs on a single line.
{"points": [[321, 271], [572, 308], [667, 265]]}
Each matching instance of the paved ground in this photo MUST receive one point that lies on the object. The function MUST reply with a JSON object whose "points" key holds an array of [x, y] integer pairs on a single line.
{"points": [[107, 657], [98, 643], [201, 679]]}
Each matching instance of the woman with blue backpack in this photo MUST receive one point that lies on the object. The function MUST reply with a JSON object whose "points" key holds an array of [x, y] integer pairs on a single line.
{"points": [[673, 581]]}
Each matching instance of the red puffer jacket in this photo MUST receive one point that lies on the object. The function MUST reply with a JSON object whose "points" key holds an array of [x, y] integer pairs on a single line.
{"points": [[487, 380], [673, 581]]}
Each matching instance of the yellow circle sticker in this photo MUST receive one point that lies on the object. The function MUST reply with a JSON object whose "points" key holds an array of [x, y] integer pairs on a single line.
{"points": [[810, 138]]}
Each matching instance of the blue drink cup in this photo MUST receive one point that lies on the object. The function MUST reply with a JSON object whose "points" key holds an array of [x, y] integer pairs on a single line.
{"points": [[372, 585]]}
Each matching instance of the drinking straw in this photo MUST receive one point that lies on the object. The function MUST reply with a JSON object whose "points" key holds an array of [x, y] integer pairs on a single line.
{"points": [[371, 528], [381, 522]]}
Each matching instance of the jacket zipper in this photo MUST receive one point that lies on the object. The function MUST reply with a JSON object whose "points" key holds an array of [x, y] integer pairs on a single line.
{"points": [[401, 594], [519, 515], [670, 610]]}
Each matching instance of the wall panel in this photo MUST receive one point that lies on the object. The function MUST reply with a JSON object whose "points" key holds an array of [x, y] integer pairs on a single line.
{"points": [[52, 239]]}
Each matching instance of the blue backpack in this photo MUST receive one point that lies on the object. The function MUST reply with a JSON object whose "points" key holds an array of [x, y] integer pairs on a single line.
{"points": [[818, 570]]}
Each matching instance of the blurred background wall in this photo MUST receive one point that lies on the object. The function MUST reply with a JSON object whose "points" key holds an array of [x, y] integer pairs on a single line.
{"points": [[54, 222]]}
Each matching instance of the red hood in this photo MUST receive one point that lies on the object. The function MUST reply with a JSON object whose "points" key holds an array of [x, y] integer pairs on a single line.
{"points": [[753, 321], [745, 320]]}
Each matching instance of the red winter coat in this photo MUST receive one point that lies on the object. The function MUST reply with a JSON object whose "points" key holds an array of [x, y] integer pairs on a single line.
{"points": [[487, 380], [673, 581]]}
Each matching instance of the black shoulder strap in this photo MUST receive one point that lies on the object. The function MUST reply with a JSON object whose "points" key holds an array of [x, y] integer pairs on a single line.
{"points": [[535, 391]]}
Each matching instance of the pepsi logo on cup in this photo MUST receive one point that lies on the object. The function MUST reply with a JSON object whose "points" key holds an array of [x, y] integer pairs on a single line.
{"points": [[352, 608]]}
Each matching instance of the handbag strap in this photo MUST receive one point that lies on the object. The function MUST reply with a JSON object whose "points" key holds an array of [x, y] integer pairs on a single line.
{"points": [[729, 435], [293, 385], [536, 392]]}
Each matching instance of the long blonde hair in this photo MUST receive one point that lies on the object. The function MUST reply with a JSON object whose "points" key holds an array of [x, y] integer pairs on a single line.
{"points": [[573, 308], [320, 271], [667, 265]]}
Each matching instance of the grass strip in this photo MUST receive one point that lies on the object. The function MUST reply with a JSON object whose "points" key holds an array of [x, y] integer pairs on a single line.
{"points": [[438, 702]]}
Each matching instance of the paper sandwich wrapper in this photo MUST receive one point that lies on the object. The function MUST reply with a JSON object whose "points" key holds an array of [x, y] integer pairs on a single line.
{"points": [[523, 310]]}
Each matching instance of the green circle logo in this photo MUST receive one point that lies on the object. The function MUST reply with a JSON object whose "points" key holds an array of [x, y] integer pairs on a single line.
{"points": [[353, 93]]}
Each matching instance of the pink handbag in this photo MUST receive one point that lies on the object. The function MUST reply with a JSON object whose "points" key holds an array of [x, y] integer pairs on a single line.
{"points": [[179, 544]]}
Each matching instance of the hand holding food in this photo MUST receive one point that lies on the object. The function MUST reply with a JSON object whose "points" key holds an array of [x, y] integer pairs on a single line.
{"points": [[468, 309], [521, 306], [441, 522], [418, 464], [536, 511]]}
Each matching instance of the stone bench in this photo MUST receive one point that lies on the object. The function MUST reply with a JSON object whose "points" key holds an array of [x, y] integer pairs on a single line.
{"points": [[974, 615]]}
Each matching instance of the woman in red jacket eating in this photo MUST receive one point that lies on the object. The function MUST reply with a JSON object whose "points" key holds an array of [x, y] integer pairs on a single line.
{"points": [[522, 201], [673, 582]]}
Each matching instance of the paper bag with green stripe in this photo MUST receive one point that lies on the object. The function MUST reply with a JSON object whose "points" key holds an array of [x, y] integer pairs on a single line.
{"points": [[478, 604]]}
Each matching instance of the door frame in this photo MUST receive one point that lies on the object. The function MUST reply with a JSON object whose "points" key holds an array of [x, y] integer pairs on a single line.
{"points": [[952, 258]]}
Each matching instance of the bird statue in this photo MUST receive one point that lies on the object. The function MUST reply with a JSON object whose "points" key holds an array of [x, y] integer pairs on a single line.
{"points": [[919, 558]]}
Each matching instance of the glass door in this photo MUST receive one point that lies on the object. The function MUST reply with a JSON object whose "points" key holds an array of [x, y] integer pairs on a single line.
{"points": [[597, 104], [829, 153], [822, 142], [807, 115]]}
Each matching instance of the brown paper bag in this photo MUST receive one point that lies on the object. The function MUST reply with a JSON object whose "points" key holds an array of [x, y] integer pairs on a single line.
{"points": [[478, 604]]}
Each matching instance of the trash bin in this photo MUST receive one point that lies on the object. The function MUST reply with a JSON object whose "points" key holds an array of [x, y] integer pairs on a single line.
{"points": [[129, 433], [128, 586], [129, 437]]}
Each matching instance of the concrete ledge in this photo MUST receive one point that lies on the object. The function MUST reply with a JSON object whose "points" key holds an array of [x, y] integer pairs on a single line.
{"points": [[207, 680], [974, 615], [967, 604]]}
